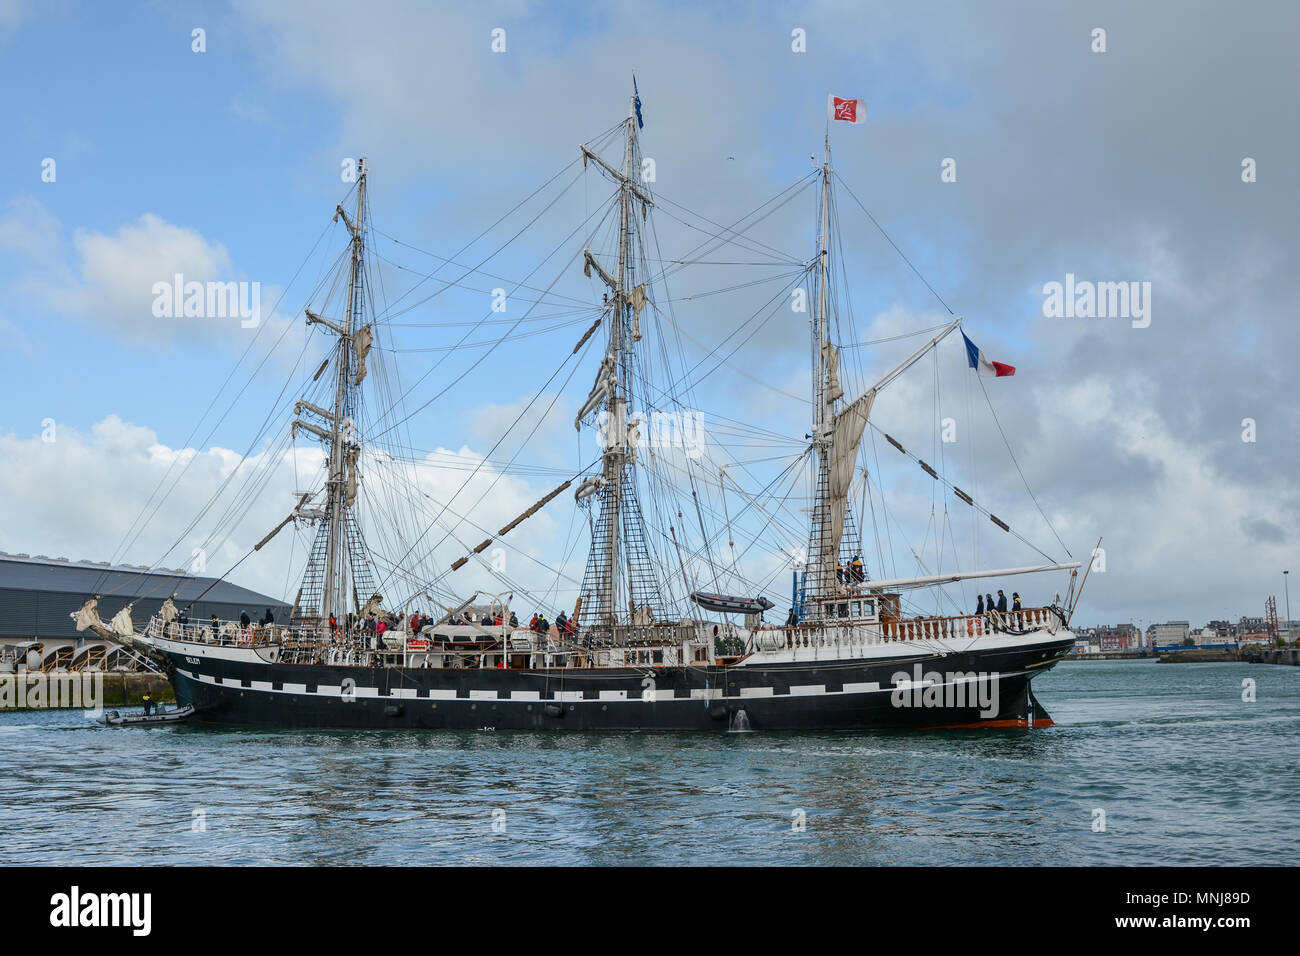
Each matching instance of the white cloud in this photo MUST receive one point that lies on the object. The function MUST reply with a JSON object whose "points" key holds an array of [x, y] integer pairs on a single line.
{"points": [[81, 494]]}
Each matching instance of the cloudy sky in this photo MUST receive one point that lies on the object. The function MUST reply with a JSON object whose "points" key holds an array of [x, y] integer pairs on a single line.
{"points": [[1164, 158]]}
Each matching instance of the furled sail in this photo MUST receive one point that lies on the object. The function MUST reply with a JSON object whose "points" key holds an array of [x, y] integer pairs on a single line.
{"points": [[639, 300], [168, 611], [600, 391], [352, 475], [121, 623], [362, 339], [832, 356], [846, 436], [372, 606], [88, 619]]}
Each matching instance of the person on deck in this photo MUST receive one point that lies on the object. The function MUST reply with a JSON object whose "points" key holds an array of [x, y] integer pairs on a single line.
{"points": [[514, 620], [839, 573], [1002, 602], [244, 620], [856, 569], [334, 626], [979, 605], [268, 618], [147, 701], [532, 625], [1015, 601], [988, 608], [790, 620]]}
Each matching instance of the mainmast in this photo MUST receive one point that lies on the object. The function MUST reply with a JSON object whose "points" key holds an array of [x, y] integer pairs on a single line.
{"points": [[619, 529], [616, 407]]}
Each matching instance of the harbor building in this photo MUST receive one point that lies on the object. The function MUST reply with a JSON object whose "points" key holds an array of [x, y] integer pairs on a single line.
{"points": [[38, 596], [1170, 634]]}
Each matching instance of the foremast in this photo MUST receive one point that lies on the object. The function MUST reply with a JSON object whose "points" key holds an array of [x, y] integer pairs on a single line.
{"points": [[837, 435], [826, 390]]}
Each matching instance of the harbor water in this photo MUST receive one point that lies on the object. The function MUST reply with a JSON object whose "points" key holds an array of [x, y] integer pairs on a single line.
{"points": [[1148, 764]]}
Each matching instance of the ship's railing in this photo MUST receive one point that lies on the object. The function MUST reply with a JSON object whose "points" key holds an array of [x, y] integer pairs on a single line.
{"points": [[973, 625], [960, 627], [231, 634]]}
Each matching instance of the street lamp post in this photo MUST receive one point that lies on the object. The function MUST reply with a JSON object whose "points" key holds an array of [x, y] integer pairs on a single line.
{"points": [[1287, 587]]}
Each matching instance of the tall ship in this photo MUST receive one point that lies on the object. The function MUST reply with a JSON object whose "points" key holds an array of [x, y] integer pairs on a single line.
{"points": [[664, 631]]}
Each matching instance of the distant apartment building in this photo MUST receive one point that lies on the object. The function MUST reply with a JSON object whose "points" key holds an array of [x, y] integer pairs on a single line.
{"points": [[1171, 634], [1106, 639], [1112, 638]]}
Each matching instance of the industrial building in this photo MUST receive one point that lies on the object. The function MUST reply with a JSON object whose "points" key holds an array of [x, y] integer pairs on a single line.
{"points": [[38, 596]]}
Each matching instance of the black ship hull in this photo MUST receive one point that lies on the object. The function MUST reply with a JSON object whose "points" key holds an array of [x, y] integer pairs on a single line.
{"points": [[989, 687]]}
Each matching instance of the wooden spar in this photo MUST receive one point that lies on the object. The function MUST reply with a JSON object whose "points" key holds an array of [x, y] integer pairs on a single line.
{"points": [[534, 509], [963, 496], [319, 370], [280, 527], [963, 576], [890, 439], [461, 562], [999, 522], [583, 341], [927, 469], [1078, 596]]}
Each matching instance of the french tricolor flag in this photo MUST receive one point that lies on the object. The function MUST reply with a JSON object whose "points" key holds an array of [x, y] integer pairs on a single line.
{"points": [[980, 363]]}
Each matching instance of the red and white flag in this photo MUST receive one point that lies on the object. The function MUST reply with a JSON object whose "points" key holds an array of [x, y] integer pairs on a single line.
{"points": [[846, 111]]}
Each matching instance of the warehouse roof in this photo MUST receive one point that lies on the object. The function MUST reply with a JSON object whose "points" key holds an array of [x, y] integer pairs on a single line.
{"points": [[87, 579]]}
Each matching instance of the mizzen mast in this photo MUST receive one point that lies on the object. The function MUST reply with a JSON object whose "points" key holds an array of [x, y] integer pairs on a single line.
{"points": [[339, 546]]}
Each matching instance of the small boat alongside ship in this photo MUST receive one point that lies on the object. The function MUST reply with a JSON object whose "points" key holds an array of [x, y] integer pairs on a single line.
{"points": [[850, 655], [157, 718]]}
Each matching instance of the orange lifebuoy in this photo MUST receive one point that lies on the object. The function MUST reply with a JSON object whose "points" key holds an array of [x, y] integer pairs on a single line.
{"points": [[970, 627]]}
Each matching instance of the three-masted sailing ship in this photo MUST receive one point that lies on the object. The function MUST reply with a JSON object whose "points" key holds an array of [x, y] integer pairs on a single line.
{"points": [[630, 657]]}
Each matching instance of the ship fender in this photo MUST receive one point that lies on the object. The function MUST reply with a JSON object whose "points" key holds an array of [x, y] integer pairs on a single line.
{"points": [[554, 710]]}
